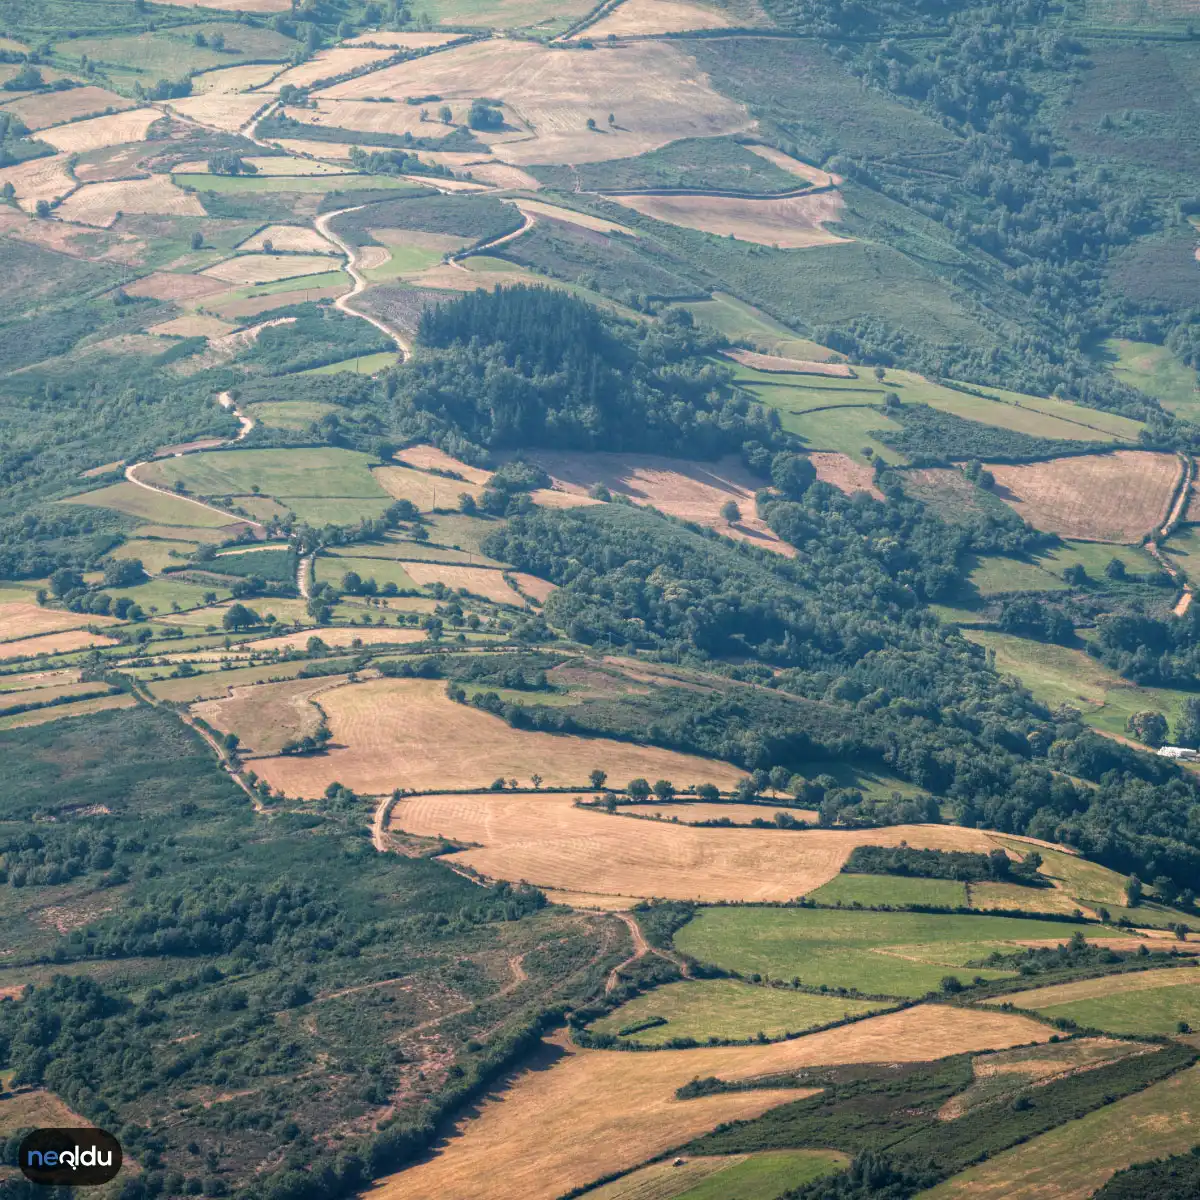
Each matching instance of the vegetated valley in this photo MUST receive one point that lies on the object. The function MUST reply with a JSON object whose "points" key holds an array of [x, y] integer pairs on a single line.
{"points": [[589, 595]]}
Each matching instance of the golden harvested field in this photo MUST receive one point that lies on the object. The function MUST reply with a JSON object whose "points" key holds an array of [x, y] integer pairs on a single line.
{"points": [[322, 150], [424, 490], [227, 80], [1109, 985], [267, 268], [192, 326], [39, 179], [328, 63], [1116, 497], [61, 712], [101, 132], [844, 473], [342, 635], [425, 457], [502, 175], [549, 841], [227, 112], [408, 733], [642, 17], [19, 619], [296, 239], [740, 814], [656, 90], [581, 1114], [99, 203], [479, 581], [789, 366], [531, 585], [43, 109], [267, 715], [36, 1110], [39, 679], [793, 223], [371, 118], [165, 285], [54, 643], [401, 41], [692, 491], [539, 208]]}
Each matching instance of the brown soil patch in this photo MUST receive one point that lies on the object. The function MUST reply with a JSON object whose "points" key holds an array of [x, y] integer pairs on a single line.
{"points": [[163, 285], [253, 305], [1118, 497], [844, 473], [580, 1114], [792, 223], [689, 490], [407, 733], [547, 840], [100, 203], [656, 90], [19, 619], [790, 366], [479, 581], [44, 109], [114, 130]]}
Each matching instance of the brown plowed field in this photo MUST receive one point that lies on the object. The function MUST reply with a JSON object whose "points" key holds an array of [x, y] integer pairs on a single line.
{"points": [[407, 733], [580, 1114], [1118, 497], [548, 840]]}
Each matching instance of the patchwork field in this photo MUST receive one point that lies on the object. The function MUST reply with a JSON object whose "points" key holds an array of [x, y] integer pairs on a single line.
{"points": [[892, 954], [101, 132], [692, 491], [549, 841], [791, 223], [656, 91], [1118, 497], [101, 203], [581, 1114], [1145, 1002], [724, 1008], [1074, 1160]]}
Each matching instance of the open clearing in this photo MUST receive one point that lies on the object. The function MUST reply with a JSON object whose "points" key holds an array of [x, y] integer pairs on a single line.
{"points": [[643, 17], [479, 581], [1074, 1160], [580, 1114], [549, 841], [725, 1008], [54, 643], [692, 491], [270, 714], [267, 268], [761, 1176], [794, 222], [657, 92], [1145, 1002], [426, 457], [20, 620], [889, 954], [426, 491], [295, 239], [407, 733], [1118, 497], [1155, 371], [39, 179], [192, 326], [844, 473], [115, 130], [100, 203], [43, 109]]}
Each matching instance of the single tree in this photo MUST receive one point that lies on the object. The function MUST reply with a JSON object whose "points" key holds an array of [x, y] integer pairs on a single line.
{"points": [[596, 779], [197, 240], [664, 789], [591, 123], [709, 792], [730, 513], [1134, 892], [238, 616], [446, 115], [637, 789], [1148, 727]]}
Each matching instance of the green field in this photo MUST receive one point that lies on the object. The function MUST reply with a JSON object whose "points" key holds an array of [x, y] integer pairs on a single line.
{"points": [[320, 511], [896, 890], [1077, 1158], [225, 184], [382, 570], [743, 322], [1043, 572], [298, 283], [1060, 675], [307, 472], [154, 554], [885, 954], [365, 364], [1118, 1009], [150, 506], [725, 1008], [406, 258], [290, 414], [1184, 548], [847, 430], [763, 1176], [165, 594], [1155, 371], [173, 53]]}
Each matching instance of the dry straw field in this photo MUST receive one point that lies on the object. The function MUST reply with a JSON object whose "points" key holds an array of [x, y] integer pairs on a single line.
{"points": [[549, 841], [1118, 497], [479, 581], [794, 222], [790, 366], [100, 203], [424, 490], [296, 239], [645, 17], [227, 80], [43, 109], [844, 473], [19, 619], [54, 643], [39, 179], [225, 112], [267, 268], [656, 91], [407, 733], [266, 716], [327, 64], [425, 457], [580, 1114], [101, 132], [371, 118]]}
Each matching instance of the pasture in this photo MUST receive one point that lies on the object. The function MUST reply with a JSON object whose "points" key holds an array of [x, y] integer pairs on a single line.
{"points": [[792, 223], [1061, 675], [1043, 572], [1156, 371], [655, 90], [581, 1114], [408, 733], [1140, 1003], [151, 506], [762, 1176], [382, 570], [268, 715], [725, 1008], [1074, 1160], [737, 319], [895, 890], [890, 954], [547, 840], [426, 491], [1118, 497], [228, 80], [364, 364], [172, 53], [289, 414]]}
